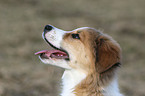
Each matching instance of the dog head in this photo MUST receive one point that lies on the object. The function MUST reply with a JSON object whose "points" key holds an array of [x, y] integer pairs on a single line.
{"points": [[85, 49]]}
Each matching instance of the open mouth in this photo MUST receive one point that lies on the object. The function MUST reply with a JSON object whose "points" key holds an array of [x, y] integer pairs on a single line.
{"points": [[52, 54], [49, 54]]}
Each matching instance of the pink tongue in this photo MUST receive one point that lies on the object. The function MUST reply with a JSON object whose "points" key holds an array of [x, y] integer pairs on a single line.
{"points": [[51, 53], [44, 51]]}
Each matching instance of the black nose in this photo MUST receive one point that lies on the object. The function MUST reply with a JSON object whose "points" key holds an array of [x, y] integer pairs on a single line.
{"points": [[48, 28]]}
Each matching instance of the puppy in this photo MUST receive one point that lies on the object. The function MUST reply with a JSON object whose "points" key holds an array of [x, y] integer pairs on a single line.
{"points": [[90, 59]]}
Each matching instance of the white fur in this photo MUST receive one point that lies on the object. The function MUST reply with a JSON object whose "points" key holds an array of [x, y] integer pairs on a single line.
{"points": [[73, 77], [55, 36], [112, 89], [70, 79], [81, 28], [58, 62]]}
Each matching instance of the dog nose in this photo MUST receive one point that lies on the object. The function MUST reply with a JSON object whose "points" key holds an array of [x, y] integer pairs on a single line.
{"points": [[48, 28]]}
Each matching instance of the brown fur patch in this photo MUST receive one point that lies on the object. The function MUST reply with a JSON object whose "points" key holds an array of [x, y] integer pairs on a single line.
{"points": [[107, 53], [103, 58]]}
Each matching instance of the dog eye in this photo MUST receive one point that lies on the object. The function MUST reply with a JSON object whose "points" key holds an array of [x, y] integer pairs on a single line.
{"points": [[75, 36]]}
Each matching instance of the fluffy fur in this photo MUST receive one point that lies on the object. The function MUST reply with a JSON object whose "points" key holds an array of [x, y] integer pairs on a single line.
{"points": [[94, 59]]}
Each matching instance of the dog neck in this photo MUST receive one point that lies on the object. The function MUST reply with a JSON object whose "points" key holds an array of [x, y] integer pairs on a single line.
{"points": [[70, 79], [73, 80]]}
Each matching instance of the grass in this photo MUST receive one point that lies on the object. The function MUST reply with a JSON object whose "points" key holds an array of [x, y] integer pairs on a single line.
{"points": [[21, 25]]}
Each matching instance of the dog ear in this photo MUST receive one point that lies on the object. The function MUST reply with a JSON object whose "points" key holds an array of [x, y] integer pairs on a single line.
{"points": [[107, 54]]}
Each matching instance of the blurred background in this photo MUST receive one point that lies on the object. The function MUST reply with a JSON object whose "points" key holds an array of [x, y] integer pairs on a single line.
{"points": [[21, 26]]}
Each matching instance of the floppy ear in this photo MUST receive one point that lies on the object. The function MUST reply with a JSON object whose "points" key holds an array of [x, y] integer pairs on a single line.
{"points": [[107, 54]]}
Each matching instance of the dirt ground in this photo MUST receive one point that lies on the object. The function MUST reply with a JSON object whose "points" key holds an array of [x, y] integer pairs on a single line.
{"points": [[21, 26]]}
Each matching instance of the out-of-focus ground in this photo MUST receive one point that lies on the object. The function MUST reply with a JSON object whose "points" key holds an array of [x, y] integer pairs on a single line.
{"points": [[21, 25]]}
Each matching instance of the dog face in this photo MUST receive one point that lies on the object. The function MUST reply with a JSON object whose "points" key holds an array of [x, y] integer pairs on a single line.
{"points": [[84, 49]]}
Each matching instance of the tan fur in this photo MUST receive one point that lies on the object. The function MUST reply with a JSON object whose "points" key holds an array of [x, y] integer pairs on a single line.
{"points": [[92, 61], [101, 69]]}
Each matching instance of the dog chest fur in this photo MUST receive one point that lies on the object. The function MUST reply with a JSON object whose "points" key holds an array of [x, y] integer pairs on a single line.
{"points": [[70, 79]]}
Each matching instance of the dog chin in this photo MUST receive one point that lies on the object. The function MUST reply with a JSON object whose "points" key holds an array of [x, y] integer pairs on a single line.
{"points": [[62, 63]]}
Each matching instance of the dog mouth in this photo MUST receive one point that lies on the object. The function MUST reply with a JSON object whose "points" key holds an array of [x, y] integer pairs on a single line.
{"points": [[51, 54], [48, 54]]}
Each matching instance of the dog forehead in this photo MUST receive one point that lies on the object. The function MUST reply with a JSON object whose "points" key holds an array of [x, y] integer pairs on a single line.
{"points": [[81, 28], [87, 29]]}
